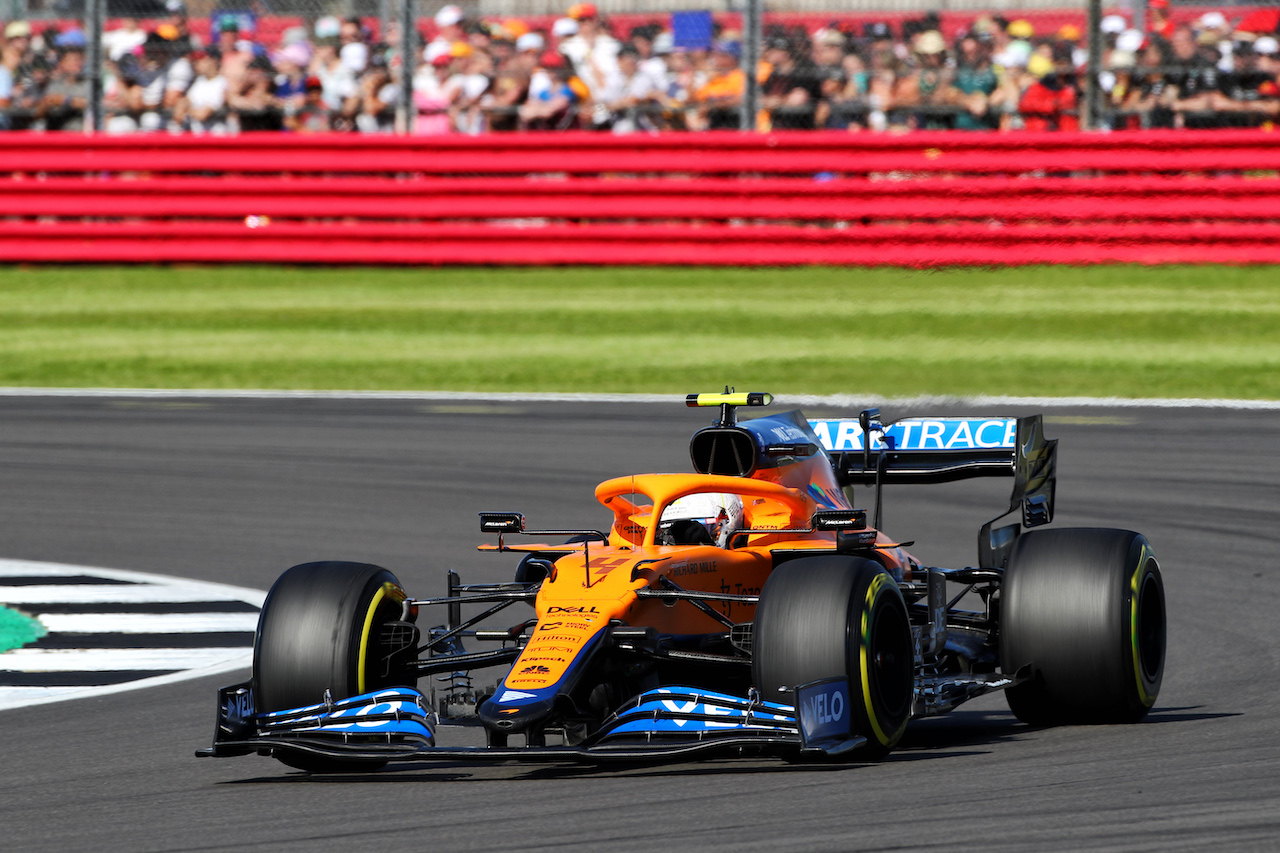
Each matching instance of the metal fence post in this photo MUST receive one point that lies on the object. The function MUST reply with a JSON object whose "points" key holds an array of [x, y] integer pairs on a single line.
{"points": [[751, 21], [1092, 92], [95, 11], [408, 63]]}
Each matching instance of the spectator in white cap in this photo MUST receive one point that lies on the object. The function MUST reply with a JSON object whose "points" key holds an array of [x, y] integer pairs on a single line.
{"points": [[328, 27], [1268, 51], [531, 42], [1113, 25], [1130, 40], [434, 94], [448, 27], [354, 52], [564, 28], [123, 39], [17, 30], [1215, 21], [1214, 40], [18, 55], [529, 48], [449, 20], [434, 50], [593, 52]]}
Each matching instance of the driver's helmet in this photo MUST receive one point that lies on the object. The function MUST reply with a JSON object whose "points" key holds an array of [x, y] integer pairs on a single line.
{"points": [[719, 514]]}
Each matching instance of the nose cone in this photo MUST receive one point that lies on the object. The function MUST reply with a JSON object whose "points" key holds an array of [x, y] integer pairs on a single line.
{"points": [[513, 711]]}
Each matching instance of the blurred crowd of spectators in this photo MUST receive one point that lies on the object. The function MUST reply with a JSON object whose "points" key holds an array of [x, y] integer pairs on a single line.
{"points": [[474, 76]]}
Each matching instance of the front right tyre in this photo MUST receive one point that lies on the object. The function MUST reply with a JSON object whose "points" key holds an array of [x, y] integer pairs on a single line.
{"points": [[839, 617]]}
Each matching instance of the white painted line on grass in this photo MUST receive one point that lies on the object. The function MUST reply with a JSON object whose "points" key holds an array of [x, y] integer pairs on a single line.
{"points": [[266, 394], [838, 400]]}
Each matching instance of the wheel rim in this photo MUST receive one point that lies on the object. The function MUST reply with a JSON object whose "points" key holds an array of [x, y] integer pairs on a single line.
{"points": [[1151, 627], [891, 661], [387, 600]]}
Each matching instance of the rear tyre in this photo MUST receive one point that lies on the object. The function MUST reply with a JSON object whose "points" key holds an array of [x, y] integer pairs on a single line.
{"points": [[833, 617], [319, 630], [1084, 609]]}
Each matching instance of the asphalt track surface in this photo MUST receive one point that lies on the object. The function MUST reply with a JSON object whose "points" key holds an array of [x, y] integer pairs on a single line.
{"points": [[237, 490]]}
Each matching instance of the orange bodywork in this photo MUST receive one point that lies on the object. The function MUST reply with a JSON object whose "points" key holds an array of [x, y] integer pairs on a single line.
{"points": [[596, 585]]}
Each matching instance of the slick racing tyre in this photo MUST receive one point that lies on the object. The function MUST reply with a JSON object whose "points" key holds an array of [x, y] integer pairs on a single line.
{"points": [[1084, 609], [319, 630], [832, 617]]}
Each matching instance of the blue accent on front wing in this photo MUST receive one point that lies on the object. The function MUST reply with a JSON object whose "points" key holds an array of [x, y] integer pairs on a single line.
{"points": [[691, 711], [825, 710], [397, 714], [685, 727], [343, 705]]}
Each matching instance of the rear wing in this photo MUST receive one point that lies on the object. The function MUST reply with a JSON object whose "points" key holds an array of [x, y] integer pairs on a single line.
{"points": [[910, 450], [920, 450], [941, 450]]}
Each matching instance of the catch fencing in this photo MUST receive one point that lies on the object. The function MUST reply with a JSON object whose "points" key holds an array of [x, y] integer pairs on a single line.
{"points": [[921, 200], [383, 66]]}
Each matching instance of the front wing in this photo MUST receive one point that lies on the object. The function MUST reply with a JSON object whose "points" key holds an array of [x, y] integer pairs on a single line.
{"points": [[668, 722]]}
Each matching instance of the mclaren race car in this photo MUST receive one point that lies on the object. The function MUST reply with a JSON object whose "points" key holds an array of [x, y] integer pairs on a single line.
{"points": [[747, 608]]}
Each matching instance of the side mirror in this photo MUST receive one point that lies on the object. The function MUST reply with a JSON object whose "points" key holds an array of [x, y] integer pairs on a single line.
{"points": [[865, 418]]}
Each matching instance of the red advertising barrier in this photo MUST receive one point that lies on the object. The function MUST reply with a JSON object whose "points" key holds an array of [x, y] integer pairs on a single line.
{"points": [[922, 199]]}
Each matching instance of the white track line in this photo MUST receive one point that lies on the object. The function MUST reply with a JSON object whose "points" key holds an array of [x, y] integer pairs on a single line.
{"points": [[139, 587], [839, 400], [114, 660], [148, 623], [211, 590], [19, 697], [103, 594]]}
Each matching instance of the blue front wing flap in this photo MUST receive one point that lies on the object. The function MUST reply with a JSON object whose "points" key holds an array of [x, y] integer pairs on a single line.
{"points": [[689, 712], [395, 720]]}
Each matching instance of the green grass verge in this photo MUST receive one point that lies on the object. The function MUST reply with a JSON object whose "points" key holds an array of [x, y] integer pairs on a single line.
{"points": [[18, 629], [1203, 331]]}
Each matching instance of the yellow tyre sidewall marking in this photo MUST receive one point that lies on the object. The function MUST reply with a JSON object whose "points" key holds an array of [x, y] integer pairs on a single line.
{"points": [[864, 660], [387, 590], [1143, 696]]}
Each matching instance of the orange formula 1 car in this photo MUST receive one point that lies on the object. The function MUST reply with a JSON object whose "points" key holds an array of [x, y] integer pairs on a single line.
{"points": [[748, 607]]}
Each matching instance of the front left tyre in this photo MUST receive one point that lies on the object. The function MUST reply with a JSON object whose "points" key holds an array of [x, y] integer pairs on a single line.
{"points": [[319, 631]]}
